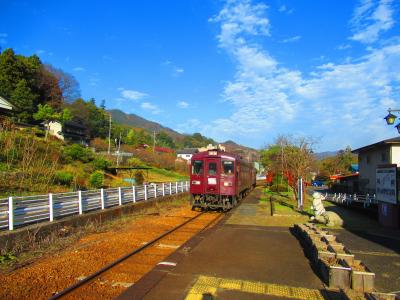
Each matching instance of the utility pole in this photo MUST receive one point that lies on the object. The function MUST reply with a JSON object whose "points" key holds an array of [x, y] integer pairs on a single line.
{"points": [[154, 140], [119, 149], [109, 136]]}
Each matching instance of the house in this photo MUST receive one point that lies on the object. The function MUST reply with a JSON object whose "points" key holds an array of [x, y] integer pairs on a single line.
{"points": [[6, 108], [187, 153], [69, 131], [371, 157], [345, 183]]}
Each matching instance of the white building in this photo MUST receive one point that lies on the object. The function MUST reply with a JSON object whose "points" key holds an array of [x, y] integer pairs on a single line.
{"points": [[372, 156], [5, 106], [186, 154]]}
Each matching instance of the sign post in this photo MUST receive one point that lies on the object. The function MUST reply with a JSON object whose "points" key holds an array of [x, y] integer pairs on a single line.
{"points": [[300, 193], [386, 194]]}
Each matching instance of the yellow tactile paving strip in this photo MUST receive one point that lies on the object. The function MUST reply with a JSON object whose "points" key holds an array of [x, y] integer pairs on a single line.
{"points": [[206, 285]]}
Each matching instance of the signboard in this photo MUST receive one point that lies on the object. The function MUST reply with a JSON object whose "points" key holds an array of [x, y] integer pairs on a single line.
{"points": [[386, 187]]}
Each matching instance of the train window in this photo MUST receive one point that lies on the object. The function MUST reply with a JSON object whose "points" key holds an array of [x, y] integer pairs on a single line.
{"points": [[212, 168], [197, 167], [228, 167]]}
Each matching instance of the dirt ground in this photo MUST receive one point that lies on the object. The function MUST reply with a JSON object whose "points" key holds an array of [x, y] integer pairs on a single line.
{"points": [[56, 271]]}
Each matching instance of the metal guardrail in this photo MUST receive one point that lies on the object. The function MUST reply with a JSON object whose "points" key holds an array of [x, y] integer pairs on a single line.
{"points": [[19, 211], [348, 199]]}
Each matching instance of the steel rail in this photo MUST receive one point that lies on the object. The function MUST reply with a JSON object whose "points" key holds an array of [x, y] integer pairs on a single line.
{"points": [[119, 260]]}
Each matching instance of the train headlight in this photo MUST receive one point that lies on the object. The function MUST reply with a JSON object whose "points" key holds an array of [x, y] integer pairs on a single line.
{"points": [[195, 182], [227, 183]]}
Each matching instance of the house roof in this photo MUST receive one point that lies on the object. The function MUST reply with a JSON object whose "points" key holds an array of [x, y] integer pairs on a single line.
{"points": [[4, 104], [395, 140], [187, 151]]}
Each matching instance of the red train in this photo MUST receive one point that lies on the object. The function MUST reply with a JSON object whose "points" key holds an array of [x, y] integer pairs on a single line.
{"points": [[218, 180]]}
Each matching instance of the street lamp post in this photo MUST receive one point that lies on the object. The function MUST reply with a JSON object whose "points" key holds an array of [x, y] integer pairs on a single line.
{"points": [[391, 118]]}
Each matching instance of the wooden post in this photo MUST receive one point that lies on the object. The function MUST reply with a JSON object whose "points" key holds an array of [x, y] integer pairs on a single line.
{"points": [[10, 213], [119, 196], [51, 211], [163, 189], [155, 190], [80, 202], [102, 198], [133, 194], [170, 188], [145, 192]]}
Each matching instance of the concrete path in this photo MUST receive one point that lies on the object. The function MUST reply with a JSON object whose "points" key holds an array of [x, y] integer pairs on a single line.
{"points": [[240, 258], [378, 247]]}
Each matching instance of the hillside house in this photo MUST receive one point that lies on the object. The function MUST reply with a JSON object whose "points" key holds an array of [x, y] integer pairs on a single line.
{"points": [[372, 156], [69, 131], [187, 153], [6, 108]]}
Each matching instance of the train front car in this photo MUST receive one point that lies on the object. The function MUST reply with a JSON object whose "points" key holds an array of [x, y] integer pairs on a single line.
{"points": [[214, 180]]}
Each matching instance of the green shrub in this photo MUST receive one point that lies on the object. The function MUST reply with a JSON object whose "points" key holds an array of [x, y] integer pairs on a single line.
{"points": [[135, 162], [64, 177], [96, 179], [279, 188], [77, 152], [101, 163]]}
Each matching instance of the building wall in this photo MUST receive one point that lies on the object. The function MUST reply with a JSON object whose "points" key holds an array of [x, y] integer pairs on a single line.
{"points": [[395, 154], [368, 161], [55, 128], [185, 156]]}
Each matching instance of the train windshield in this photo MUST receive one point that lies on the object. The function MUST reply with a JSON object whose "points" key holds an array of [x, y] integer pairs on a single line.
{"points": [[228, 167], [197, 167], [212, 168]]}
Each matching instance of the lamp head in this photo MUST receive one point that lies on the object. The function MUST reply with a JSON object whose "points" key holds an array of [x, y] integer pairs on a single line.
{"points": [[398, 128], [390, 118]]}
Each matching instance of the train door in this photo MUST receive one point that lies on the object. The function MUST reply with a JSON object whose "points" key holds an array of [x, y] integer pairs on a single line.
{"points": [[197, 176], [212, 175]]}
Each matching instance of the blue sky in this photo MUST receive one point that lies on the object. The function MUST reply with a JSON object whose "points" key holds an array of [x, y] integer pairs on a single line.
{"points": [[236, 69]]}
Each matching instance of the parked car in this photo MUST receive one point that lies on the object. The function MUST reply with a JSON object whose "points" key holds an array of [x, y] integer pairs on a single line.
{"points": [[317, 183]]}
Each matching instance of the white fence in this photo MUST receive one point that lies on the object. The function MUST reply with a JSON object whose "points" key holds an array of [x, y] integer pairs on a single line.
{"points": [[347, 199], [24, 210]]}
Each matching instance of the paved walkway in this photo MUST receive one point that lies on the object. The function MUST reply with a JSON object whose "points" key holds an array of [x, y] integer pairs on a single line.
{"points": [[376, 246], [241, 258]]}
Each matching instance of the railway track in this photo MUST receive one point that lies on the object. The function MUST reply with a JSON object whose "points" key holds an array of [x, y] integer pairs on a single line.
{"points": [[103, 283]]}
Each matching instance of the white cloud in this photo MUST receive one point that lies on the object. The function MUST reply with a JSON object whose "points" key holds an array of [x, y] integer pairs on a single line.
{"points": [[183, 104], [154, 109], [292, 39], [175, 70], [40, 51], [344, 47], [284, 9], [370, 19], [178, 71], [79, 69], [343, 101], [132, 94]]}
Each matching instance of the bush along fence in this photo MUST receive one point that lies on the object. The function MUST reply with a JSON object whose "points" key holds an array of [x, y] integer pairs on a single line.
{"points": [[350, 199], [336, 265], [19, 211]]}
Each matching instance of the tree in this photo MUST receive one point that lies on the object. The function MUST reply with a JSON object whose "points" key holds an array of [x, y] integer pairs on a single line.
{"points": [[68, 84], [164, 140], [23, 98], [47, 114], [291, 156]]}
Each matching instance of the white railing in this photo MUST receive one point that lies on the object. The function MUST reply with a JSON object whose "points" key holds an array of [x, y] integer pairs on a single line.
{"points": [[347, 199], [19, 211]]}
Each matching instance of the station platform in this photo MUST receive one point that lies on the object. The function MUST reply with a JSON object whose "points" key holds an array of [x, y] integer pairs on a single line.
{"points": [[242, 257]]}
